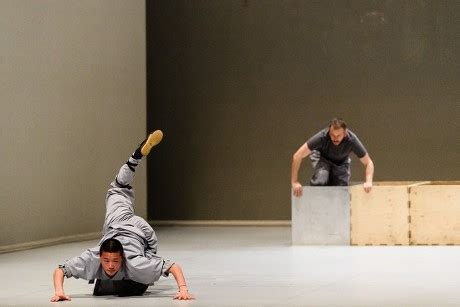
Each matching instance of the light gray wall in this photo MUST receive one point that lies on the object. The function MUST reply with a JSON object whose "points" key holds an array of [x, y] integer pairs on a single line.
{"points": [[72, 94]]}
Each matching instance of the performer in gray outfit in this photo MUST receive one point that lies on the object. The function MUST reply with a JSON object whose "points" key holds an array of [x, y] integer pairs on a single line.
{"points": [[125, 261], [329, 151]]}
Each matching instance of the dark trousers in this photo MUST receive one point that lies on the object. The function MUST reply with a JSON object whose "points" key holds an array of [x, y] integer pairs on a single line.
{"points": [[119, 287], [327, 173]]}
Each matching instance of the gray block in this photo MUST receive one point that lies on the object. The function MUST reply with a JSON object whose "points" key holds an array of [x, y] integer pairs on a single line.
{"points": [[321, 216]]}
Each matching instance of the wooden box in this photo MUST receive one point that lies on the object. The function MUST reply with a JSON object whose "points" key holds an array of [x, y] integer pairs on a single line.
{"points": [[435, 213], [382, 216]]}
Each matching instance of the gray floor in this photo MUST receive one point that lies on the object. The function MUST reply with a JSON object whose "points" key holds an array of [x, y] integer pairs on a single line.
{"points": [[256, 266]]}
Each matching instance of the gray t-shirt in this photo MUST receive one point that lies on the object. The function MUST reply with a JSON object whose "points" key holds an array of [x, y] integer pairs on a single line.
{"points": [[337, 154]]}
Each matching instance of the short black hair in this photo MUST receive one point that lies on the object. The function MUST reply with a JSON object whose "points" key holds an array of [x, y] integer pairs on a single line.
{"points": [[111, 246]]}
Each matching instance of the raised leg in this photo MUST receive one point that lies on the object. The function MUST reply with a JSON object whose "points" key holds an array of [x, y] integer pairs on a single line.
{"points": [[120, 196]]}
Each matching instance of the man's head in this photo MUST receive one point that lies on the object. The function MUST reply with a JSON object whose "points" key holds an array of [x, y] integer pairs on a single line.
{"points": [[337, 130], [111, 256]]}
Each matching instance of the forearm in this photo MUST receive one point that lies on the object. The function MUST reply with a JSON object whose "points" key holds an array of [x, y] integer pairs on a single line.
{"points": [[182, 293], [369, 171], [176, 271], [296, 161], [301, 153], [58, 279]]}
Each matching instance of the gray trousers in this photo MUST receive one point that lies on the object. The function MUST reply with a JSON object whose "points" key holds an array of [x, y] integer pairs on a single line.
{"points": [[327, 173], [120, 201]]}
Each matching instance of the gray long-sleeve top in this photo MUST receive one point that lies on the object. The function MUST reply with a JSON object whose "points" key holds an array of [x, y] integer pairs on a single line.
{"points": [[141, 263]]}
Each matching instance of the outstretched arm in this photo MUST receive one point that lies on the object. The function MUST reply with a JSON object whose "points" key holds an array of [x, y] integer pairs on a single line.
{"points": [[367, 161], [301, 153], [58, 279], [182, 294]]}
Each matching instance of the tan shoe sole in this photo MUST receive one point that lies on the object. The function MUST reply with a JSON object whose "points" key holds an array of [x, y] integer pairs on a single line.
{"points": [[154, 138]]}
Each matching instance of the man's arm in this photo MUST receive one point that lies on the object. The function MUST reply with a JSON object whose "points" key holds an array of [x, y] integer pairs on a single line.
{"points": [[182, 294], [83, 266], [367, 161], [301, 153], [58, 279]]}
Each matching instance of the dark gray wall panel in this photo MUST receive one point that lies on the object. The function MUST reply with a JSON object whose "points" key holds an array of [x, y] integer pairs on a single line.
{"points": [[238, 86]]}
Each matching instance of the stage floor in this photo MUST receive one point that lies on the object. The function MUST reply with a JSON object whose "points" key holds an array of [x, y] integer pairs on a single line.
{"points": [[255, 266]]}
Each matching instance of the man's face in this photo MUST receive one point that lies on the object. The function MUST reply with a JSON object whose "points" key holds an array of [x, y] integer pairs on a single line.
{"points": [[337, 135], [111, 262]]}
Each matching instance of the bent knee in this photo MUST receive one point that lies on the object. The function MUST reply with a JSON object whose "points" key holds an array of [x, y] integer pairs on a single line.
{"points": [[321, 178]]}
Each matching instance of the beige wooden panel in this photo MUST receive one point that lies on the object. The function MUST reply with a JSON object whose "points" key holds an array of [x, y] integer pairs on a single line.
{"points": [[435, 213], [381, 216], [444, 182], [399, 183]]}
